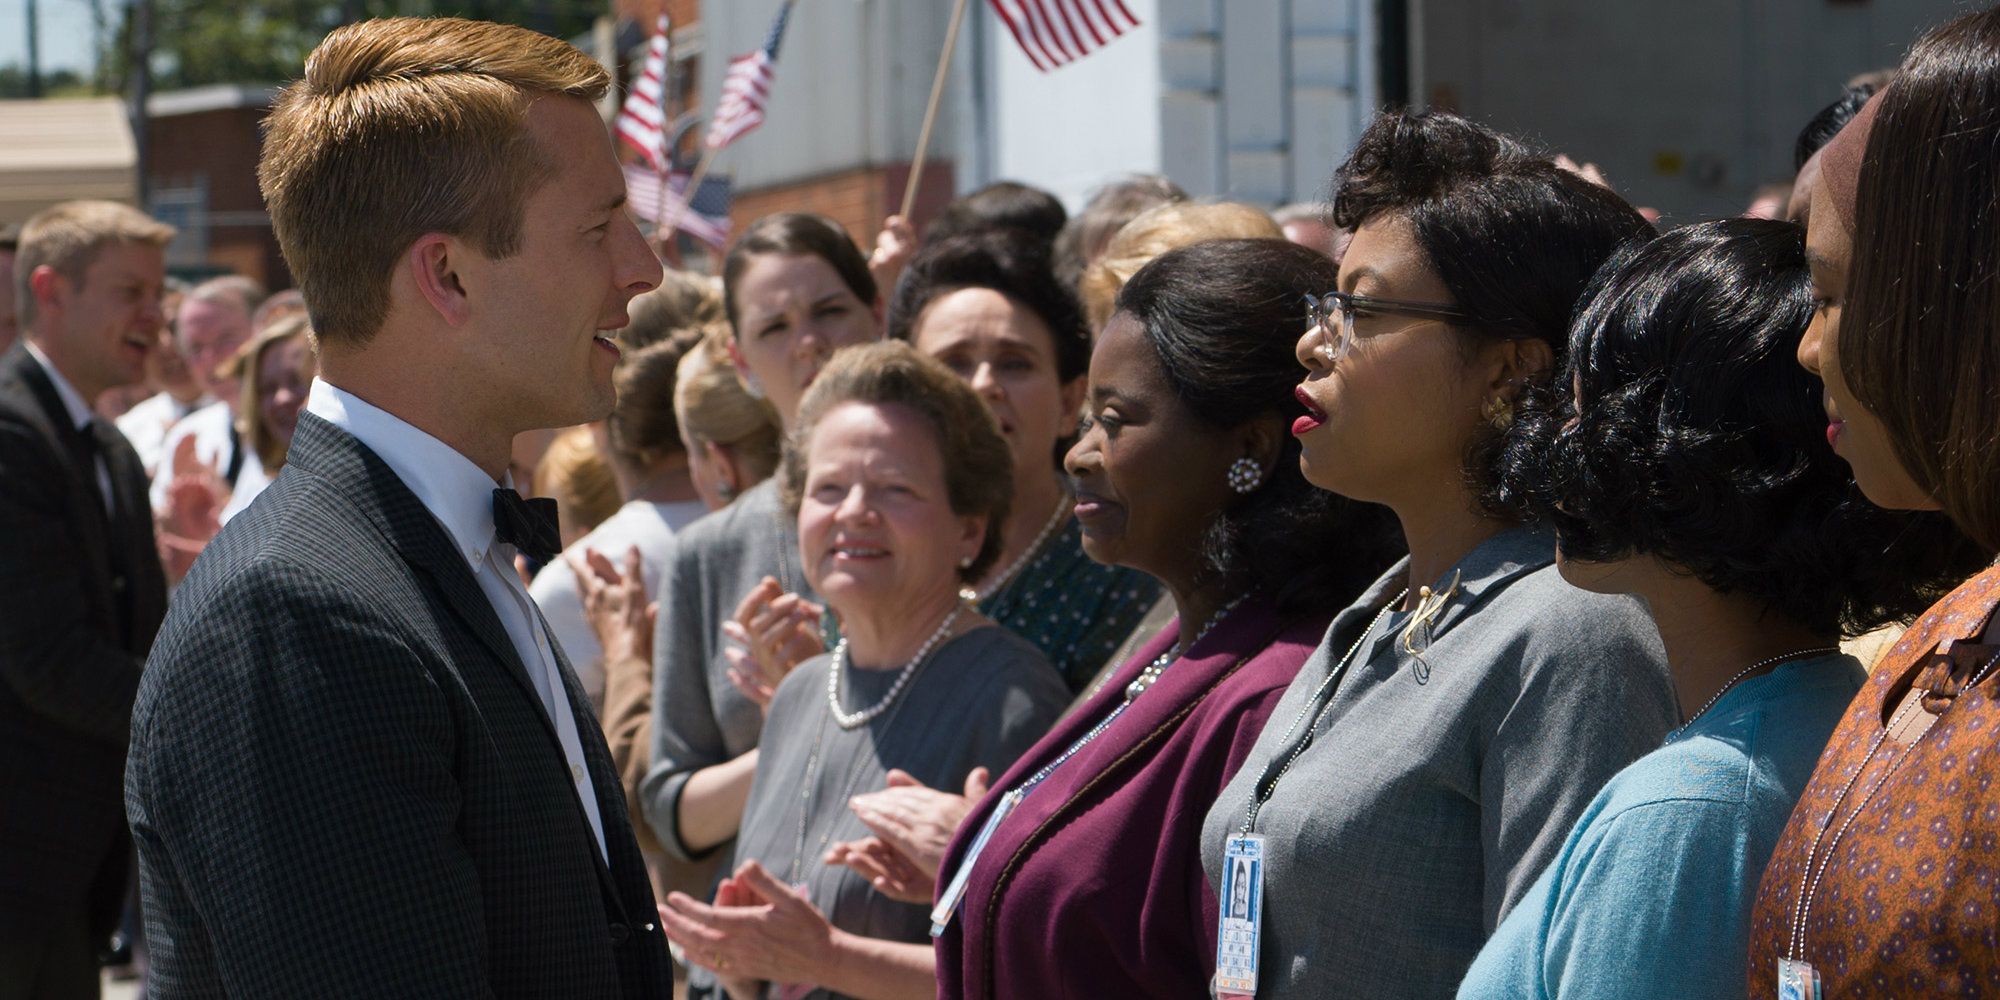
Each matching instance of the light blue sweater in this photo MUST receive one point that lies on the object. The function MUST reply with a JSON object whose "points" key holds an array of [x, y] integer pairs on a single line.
{"points": [[1650, 895]]}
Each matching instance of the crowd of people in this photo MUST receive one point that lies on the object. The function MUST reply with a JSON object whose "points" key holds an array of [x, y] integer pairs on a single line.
{"points": [[1467, 587]]}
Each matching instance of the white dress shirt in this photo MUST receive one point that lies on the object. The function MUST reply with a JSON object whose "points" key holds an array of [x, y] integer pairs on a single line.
{"points": [[80, 417], [460, 496], [147, 423], [210, 427]]}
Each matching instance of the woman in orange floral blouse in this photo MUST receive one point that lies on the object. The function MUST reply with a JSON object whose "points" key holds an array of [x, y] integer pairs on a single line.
{"points": [[1886, 882]]}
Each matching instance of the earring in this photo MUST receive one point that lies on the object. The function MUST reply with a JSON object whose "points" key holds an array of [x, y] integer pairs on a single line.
{"points": [[1498, 412], [726, 490], [1245, 475], [752, 385], [965, 563]]}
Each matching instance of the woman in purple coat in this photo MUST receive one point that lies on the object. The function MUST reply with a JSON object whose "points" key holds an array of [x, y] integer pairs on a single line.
{"points": [[1089, 882]]}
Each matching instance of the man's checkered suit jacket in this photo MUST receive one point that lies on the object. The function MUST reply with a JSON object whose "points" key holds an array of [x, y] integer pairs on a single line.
{"points": [[342, 782]]}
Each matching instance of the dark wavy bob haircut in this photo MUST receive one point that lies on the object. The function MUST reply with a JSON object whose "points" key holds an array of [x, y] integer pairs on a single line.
{"points": [[1015, 264], [1223, 317], [1514, 237], [1693, 436]]}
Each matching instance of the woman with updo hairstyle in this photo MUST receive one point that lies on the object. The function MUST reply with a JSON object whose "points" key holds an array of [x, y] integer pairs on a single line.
{"points": [[1883, 884], [899, 481], [1156, 231], [1689, 466], [795, 291], [731, 437], [1457, 718], [989, 308]]}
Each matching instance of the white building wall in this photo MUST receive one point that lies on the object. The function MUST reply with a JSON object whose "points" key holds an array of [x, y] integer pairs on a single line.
{"points": [[852, 80], [1071, 129], [1688, 106], [1253, 99]]}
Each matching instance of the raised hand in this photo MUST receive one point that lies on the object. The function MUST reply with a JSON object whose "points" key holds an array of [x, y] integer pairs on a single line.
{"points": [[771, 632]]}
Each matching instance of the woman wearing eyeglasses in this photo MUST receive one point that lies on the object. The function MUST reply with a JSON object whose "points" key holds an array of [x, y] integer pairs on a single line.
{"points": [[1423, 767]]}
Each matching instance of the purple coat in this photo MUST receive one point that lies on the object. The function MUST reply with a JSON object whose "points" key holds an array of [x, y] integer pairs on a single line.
{"points": [[1094, 886]]}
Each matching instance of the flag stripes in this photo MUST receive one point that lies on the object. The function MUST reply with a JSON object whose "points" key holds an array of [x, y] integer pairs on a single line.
{"points": [[642, 122], [651, 201], [1054, 33], [746, 87]]}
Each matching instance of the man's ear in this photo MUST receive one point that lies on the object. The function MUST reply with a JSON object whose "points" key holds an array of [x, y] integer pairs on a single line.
{"points": [[48, 287], [432, 262]]}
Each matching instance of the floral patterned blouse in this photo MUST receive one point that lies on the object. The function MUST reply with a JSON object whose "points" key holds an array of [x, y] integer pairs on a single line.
{"points": [[1894, 849], [1076, 611]]}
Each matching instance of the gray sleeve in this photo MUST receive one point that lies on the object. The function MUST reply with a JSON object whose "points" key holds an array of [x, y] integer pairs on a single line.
{"points": [[1593, 696], [686, 736], [1029, 697]]}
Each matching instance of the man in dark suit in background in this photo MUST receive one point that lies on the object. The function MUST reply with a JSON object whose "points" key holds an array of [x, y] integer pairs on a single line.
{"points": [[80, 585], [360, 765]]}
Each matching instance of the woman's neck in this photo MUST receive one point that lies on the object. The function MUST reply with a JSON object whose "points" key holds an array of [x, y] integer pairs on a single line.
{"points": [[1712, 637], [1036, 497], [666, 480], [1197, 604], [889, 638], [1440, 530]]}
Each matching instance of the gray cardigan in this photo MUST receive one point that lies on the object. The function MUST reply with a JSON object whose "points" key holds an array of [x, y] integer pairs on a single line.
{"points": [[699, 718], [1435, 792]]}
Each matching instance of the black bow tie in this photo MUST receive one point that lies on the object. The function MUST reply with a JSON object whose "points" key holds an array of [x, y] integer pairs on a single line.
{"points": [[527, 524]]}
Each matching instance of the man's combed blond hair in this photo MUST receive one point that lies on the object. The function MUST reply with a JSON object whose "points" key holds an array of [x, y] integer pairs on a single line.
{"points": [[400, 127], [67, 236]]}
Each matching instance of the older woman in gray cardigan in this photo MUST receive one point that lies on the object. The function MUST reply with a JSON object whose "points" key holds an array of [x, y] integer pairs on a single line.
{"points": [[1427, 761]]}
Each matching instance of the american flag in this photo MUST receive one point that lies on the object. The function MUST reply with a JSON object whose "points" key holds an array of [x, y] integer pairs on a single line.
{"points": [[707, 219], [642, 122], [746, 88], [1055, 33]]}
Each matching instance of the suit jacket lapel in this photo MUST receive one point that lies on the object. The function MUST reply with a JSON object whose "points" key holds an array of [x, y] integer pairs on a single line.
{"points": [[320, 448], [54, 423]]}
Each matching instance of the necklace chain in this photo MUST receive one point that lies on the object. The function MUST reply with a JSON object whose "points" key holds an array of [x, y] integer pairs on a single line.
{"points": [[1006, 576], [1133, 690], [1808, 879], [1751, 669], [849, 720], [1315, 707]]}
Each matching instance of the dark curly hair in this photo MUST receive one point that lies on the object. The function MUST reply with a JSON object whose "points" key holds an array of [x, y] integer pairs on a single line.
{"points": [[1513, 236], [1223, 317], [1693, 436], [1013, 263]]}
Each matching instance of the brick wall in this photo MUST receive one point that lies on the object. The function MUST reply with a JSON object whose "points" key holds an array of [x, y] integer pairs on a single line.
{"points": [[857, 199]]}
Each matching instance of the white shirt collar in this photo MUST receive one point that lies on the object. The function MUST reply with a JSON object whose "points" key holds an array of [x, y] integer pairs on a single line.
{"points": [[456, 491], [72, 400]]}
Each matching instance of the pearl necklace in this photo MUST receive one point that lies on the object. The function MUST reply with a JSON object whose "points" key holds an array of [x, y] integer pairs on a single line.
{"points": [[1751, 669], [1006, 576], [849, 720], [1173, 653]]}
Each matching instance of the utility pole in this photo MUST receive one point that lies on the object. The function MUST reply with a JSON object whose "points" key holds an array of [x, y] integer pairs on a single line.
{"points": [[142, 89], [34, 51]]}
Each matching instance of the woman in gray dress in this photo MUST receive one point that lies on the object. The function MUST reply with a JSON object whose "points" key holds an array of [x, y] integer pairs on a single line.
{"points": [[795, 289], [900, 482], [1425, 764]]}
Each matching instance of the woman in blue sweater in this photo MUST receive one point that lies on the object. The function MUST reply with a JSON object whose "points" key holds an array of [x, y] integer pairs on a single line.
{"points": [[1689, 466]]}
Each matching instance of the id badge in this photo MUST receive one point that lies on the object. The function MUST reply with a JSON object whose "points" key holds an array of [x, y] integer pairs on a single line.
{"points": [[1797, 980], [947, 904], [1240, 912]]}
